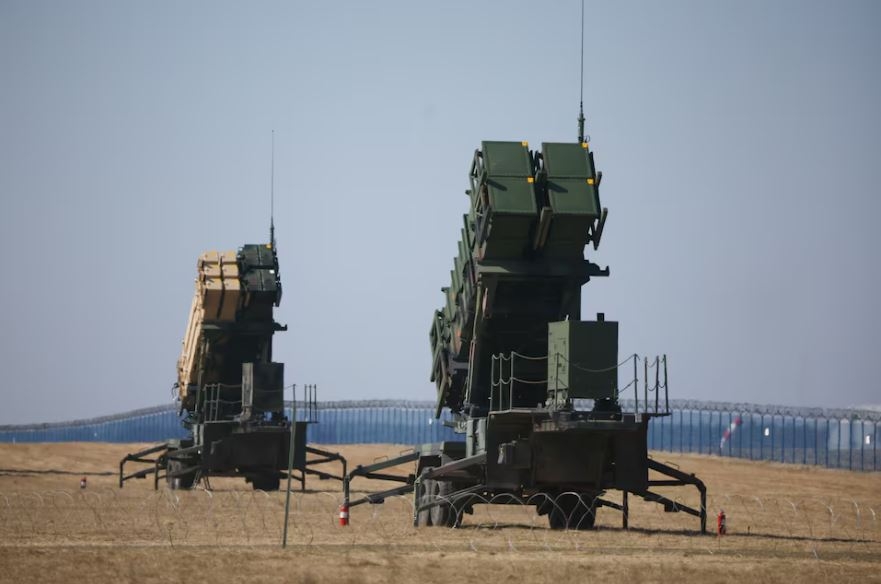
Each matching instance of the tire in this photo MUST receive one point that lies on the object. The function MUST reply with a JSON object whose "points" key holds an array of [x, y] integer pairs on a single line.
{"points": [[423, 497], [265, 482], [444, 514], [185, 481], [572, 512]]}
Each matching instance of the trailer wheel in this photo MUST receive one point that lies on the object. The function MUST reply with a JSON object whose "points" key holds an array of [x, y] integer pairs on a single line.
{"points": [[265, 482], [444, 514], [573, 512], [423, 497], [184, 481]]}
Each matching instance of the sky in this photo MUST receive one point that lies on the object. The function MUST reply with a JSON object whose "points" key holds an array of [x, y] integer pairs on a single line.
{"points": [[739, 144]]}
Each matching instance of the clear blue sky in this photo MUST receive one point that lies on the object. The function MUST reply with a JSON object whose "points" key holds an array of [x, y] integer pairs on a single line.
{"points": [[739, 141]]}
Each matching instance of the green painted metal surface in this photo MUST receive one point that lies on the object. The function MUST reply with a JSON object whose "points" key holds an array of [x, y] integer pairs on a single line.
{"points": [[519, 265], [582, 359]]}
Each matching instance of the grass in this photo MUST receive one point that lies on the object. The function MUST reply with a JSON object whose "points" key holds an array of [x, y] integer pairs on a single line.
{"points": [[786, 524]]}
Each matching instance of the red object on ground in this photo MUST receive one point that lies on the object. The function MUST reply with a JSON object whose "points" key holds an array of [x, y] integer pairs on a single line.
{"points": [[720, 523], [344, 515]]}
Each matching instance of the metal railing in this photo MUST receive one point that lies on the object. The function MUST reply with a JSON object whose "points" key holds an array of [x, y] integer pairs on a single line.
{"points": [[504, 376], [214, 407]]}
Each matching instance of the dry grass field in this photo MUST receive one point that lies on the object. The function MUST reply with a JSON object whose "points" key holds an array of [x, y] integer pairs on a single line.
{"points": [[786, 524]]}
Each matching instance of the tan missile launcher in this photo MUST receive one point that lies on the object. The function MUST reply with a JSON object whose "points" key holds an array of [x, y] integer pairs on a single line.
{"points": [[217, 298], [231, 392]]}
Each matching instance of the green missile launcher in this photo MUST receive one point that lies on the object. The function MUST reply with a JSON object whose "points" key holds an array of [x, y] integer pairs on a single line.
{"points": [[520, 266], [534, 389]]}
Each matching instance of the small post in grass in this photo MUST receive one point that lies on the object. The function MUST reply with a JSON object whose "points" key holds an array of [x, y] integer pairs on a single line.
{"points": [[287, 500]]}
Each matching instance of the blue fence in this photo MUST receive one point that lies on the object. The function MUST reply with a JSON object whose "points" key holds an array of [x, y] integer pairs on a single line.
{"points": [[364, 422], [379, 423], [830, 438], [147, 425], [839, 439]]}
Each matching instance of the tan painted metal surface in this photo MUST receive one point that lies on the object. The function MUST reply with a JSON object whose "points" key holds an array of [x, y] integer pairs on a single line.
{"points": [[216, 298]]}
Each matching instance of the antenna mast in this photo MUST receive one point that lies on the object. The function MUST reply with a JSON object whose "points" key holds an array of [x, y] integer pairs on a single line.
{"points": [[272, 195], [581, 96]]}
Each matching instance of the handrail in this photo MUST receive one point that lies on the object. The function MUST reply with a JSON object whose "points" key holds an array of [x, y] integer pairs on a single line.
{"points": [[502, 382]]}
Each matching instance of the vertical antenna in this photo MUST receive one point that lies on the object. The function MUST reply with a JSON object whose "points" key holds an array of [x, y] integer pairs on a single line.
{"points": [[272, 195], [581, 95]]}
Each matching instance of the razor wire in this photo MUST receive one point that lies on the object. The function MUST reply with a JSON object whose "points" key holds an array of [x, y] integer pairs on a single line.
{"points": [[491, 524]]}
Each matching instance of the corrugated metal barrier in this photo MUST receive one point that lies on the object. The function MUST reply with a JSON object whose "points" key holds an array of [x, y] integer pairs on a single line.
{"points": [[830, 438]]}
